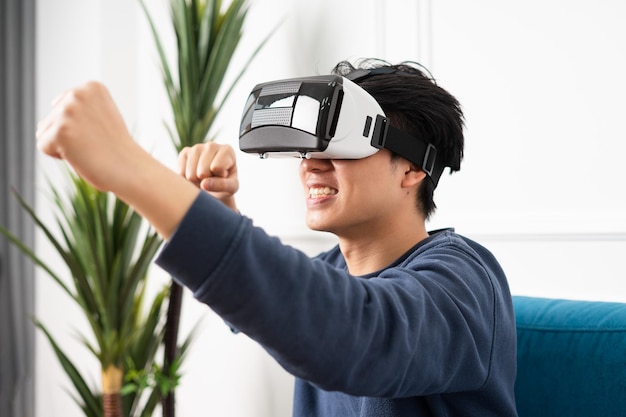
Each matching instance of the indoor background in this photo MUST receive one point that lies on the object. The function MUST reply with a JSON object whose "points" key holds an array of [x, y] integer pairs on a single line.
{"points": [[542, 185]]}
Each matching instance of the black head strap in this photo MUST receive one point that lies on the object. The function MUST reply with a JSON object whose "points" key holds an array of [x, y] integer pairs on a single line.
{"points": [[362, 74], [422, 154]]}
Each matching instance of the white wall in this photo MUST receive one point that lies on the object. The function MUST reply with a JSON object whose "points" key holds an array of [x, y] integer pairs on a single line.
{"points": [[542, 88], [542, 185]]}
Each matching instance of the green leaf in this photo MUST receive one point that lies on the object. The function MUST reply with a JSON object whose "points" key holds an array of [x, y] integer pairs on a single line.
{"points": [[108, 255], [38, 261], [153, 401], [88, 398], [206, 40]]}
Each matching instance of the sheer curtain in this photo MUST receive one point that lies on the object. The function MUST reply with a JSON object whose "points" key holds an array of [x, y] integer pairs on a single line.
{"points": [[17, 130]]}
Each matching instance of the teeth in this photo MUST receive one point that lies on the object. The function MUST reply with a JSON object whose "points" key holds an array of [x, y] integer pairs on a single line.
{"points": [[321, 191]]}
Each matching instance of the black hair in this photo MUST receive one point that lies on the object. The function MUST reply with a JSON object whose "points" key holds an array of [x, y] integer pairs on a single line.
{"points": [[415, 104]]}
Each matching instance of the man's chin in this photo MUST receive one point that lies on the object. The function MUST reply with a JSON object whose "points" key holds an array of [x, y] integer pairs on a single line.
{"points": [[320, 229], [318, 226]]}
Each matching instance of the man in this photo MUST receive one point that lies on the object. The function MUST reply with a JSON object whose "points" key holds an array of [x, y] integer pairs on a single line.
{"points": [[395, 321]]}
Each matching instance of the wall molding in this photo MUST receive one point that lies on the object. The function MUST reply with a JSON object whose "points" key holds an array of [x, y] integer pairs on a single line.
{"points": [[310, 238], [551, 237]]}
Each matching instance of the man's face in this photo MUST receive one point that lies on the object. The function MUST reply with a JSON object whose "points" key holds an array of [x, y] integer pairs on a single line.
{"points": [[351, 197]]}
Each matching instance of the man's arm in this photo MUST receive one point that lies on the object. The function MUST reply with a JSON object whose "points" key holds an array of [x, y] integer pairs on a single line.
{"points": [[85, 128]]}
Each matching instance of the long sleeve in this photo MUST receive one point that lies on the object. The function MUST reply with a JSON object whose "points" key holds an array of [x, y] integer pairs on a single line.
{"points": [[426, 325]]}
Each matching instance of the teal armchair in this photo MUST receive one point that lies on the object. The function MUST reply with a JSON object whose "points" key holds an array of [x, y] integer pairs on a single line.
{"points": [[571, 358]]}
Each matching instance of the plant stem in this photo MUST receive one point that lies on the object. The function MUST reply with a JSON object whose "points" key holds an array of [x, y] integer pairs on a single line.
{"points": [[170, 342], [112, 378]]}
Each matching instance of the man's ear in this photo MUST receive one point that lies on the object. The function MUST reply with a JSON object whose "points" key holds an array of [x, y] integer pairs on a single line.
{"points": [[412, 175]]}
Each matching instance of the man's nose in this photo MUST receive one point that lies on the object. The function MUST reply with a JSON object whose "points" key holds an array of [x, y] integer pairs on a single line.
{"points": [[315, 164]]}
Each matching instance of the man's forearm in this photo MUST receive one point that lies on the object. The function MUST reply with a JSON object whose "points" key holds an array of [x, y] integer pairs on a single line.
{"points": [[157, 193]]}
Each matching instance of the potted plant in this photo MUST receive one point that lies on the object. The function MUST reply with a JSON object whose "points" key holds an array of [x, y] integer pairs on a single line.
{"points": [[107, 250], [207, 35]]}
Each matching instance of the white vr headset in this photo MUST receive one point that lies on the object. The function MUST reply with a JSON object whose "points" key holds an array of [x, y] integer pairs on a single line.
{"points": [[328, 117]]}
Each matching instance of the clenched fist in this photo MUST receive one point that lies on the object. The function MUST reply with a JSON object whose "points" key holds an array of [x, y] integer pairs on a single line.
{"points": [[85, 128], [213, 168]]}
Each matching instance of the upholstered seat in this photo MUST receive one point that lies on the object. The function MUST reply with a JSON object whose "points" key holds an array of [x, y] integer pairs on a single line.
{"points": [[571, 358]]}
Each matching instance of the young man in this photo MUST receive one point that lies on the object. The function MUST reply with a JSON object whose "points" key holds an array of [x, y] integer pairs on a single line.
{"points": [[395, 321]]}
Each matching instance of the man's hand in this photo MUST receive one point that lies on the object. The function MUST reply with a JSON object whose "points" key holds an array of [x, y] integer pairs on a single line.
{"points": [[213, 168], [85, 128]]}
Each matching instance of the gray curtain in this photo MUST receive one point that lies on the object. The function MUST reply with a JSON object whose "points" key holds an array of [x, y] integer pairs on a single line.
{"points": [[17, 152]]}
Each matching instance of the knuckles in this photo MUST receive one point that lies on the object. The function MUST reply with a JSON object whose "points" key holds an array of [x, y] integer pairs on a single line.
{"points": [[78, 97]]}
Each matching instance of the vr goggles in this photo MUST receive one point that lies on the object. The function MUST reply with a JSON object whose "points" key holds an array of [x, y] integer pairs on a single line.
{"points": [[328, 117]]}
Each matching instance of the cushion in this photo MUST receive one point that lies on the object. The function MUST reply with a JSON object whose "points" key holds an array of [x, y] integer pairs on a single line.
{"points": [[571, 357]]}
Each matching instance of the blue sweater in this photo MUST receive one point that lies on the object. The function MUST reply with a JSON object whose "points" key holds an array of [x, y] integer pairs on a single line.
{"points": [[433, 334]]}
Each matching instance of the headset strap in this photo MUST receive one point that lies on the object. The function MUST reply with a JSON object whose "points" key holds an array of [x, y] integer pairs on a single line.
{"points": [[422, 154], [362, 74]]}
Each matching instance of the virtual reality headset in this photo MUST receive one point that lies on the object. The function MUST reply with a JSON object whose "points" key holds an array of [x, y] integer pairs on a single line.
{"points": [[327, 116]]}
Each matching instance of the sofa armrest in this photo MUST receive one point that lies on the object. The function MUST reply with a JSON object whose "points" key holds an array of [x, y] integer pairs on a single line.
{"points": [[571, 357]]}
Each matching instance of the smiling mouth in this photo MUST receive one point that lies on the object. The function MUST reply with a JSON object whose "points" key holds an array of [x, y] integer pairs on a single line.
{"points": [[317, 192]]}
